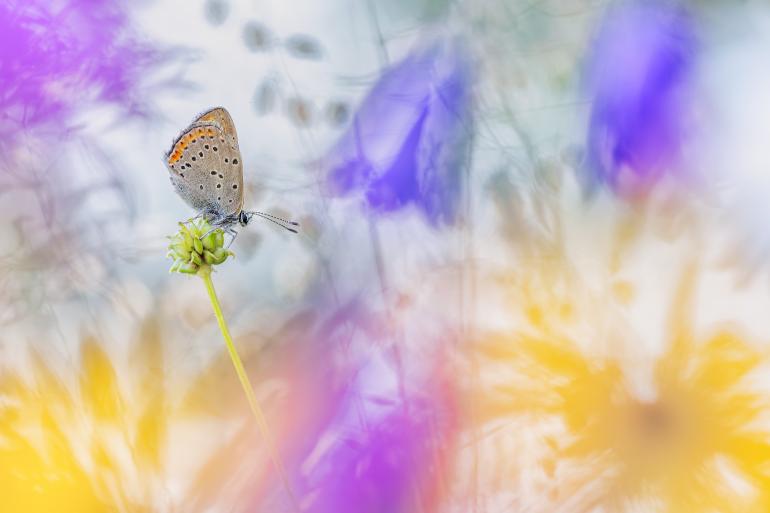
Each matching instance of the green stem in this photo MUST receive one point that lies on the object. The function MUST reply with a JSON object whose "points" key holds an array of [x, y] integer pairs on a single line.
{"points": [[259, 416]]}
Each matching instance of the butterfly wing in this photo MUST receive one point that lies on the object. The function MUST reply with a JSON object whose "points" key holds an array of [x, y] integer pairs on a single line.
{"points": [[205, 165], [220, 116]]}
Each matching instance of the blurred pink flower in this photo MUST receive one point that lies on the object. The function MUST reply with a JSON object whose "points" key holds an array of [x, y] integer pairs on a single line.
{"points": [[393, 461]]}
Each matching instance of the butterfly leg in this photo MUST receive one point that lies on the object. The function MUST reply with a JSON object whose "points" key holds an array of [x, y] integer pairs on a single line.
{"points": [[209, 232], [215, 228], [215, 222], [232, 231]]}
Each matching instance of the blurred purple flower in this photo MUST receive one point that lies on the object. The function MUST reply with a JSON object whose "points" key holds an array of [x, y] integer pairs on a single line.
{"points": [[394, 462], [410, 138], [639, 76], [371, 446], [56, 56], [354, 440]]}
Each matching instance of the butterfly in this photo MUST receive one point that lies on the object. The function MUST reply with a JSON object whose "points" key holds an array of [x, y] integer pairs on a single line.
{"points": [[206, 170]]}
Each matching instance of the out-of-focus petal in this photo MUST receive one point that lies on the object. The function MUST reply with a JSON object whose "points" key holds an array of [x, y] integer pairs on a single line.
{"points": [[640, 80], [410, 138], [56, 57]]}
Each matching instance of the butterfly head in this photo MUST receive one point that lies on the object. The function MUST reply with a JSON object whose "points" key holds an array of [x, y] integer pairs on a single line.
{"points": [[244, 217]]}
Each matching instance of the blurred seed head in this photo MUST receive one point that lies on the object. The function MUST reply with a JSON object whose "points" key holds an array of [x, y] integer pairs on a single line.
{"points": [[265, 97], [216, 11], [300, 111], [303, 46], [337, 113], [257, 37]]}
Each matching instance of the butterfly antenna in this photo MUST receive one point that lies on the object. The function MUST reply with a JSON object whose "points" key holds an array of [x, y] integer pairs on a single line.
{"points": [[281, 219], [283, 223]]}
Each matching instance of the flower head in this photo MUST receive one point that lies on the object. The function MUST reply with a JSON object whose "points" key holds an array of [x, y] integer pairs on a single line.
{"points": [[639, 76], [393, 461], [410, 138], [692, 440], [65, 432], [197, 247]]}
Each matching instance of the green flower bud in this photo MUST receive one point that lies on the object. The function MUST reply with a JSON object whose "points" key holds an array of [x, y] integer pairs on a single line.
{"points": [[180, 250], [187, 240], [210, 241], [198, 245], [192, 252], [221, 254], [209, 257], [188, 269]]}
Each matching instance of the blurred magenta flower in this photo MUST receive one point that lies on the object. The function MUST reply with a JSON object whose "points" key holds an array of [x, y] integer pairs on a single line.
{"points": [[395, 461], [56, 56], [639, 76], [58, 60], [411, 136], [352, 438]]}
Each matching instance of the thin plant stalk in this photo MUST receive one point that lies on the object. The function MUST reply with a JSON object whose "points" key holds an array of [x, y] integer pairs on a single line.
{"points": [[259, 416]]}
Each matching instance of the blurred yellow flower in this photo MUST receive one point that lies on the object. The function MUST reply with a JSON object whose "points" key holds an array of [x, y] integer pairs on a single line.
{"points": [[127, 432], [81, 446], [698, 443], [46, 476]]}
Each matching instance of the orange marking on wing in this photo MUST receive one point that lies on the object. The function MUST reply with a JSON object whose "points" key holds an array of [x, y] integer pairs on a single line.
{"points": [[177, 150], [184, 141]]}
